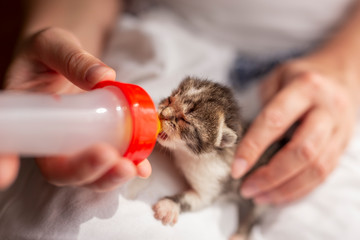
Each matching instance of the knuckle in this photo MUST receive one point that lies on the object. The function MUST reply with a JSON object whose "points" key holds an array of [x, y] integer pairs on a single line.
{"points": [[102, 154], [319, 171], [251, 148], [43, 36], [107, 154], [322, 126], [340, 101], [273, 118], [52, 32], [307, 152], [93, 162], [312, 79], [74, 60], [38, 39]]}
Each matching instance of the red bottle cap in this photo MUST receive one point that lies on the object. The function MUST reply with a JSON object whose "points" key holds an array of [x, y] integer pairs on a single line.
{"points": [[145, 120]]}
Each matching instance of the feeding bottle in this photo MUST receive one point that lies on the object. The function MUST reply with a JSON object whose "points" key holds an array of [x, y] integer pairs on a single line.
{"points": [[36, 124]]}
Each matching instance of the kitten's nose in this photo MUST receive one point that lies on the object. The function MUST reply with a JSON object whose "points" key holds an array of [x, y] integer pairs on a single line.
{"points": [[167, 114]]}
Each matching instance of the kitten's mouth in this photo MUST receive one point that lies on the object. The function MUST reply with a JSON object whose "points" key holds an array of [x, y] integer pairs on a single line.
{"points": [[163, 136]]}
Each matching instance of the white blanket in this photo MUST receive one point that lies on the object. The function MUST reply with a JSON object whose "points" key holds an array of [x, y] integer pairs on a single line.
{"points": [[34, 209]]}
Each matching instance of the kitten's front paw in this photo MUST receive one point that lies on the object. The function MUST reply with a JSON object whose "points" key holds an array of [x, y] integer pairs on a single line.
{"points": [[167, 211]]}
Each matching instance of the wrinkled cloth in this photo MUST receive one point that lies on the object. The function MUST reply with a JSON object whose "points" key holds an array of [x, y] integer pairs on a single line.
{"points": [[156, 50]]}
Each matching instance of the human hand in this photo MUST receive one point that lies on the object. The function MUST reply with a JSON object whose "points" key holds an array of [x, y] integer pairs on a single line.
{"points": [[53, 61], [320, 94]]}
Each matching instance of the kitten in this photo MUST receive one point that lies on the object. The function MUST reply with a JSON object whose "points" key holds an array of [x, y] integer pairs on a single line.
{"points": [[201, 127]]}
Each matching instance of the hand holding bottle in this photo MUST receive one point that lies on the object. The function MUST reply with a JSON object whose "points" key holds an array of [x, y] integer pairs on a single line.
{"points": [[53, 61]]}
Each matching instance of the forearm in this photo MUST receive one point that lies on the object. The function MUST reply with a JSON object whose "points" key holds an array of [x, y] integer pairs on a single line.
{"points": [[346, 40], [342, 50], [89, 20]]}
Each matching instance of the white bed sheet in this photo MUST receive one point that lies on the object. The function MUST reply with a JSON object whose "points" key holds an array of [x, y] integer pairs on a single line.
{"points": [[332, 211], [34, 209]]}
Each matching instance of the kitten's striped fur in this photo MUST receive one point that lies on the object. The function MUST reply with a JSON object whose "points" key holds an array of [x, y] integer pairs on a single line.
{"points": [[202, 125]]}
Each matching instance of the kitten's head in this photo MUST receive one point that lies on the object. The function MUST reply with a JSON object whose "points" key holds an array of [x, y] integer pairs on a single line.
{"points": [[200, 115]]}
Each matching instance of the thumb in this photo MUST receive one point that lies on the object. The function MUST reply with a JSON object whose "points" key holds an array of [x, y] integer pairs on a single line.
{"points": [[61, 51]]}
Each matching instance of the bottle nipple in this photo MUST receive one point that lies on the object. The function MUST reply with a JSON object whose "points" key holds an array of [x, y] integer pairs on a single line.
{"points": [[159, 129]]}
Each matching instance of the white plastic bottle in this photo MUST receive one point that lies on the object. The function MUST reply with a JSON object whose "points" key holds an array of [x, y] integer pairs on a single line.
{"points": [[36, 124]]}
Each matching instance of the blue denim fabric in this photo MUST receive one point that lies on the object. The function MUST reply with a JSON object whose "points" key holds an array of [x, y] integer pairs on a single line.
{"points": [[248, 69]]}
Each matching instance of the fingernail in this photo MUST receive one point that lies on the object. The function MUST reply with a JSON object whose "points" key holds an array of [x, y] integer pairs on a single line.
{"points": [[249, 189], [99, 72], [262, 199], [239, 167]]}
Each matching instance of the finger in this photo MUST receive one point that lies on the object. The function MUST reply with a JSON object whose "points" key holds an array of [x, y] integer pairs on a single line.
{"points": [[273, 121], [308, 141], [144, 169], [270, 85], [80, 169], [122, 172], [299, 186], [308, 179], [9, 167], [62, 52]]}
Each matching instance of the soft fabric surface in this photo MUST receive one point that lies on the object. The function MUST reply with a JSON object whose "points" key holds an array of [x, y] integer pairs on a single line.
{"points": [[166, 51]]}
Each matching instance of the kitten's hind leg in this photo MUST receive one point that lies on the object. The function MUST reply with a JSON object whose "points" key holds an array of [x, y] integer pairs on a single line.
{"points": [[247, 219], [167, 210]]}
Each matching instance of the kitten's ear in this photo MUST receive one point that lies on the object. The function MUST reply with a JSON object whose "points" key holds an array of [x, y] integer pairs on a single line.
{"points": [[228, 137]]}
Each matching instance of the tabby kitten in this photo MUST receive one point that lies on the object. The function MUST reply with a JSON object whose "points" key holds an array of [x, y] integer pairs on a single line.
{"points": [[201, 126]]}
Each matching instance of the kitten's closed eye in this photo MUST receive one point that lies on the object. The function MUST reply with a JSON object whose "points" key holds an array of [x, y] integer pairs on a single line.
{"points": [[191, 109], [191, 106], [178, 119]]}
